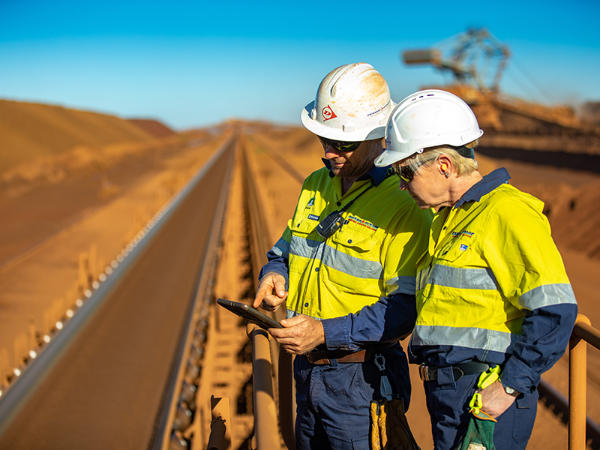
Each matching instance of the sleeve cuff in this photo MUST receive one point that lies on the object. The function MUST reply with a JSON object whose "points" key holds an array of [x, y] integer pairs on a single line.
{"points": [[519, 376], [337, 333]]}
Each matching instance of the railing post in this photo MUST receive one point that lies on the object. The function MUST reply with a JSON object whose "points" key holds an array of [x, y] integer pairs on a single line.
{"points": [[577, 388], [265, 413]]}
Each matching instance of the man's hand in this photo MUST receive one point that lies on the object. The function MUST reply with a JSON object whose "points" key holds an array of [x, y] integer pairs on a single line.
{"points": [[271, 292], [495, 400], [300, 335]]}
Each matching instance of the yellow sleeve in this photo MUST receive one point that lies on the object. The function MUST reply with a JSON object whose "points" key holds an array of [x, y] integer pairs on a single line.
{"points": [[523, 257]]}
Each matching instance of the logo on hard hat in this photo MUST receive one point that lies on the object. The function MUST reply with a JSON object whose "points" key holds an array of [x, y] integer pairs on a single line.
{"points": [[328, 113]]}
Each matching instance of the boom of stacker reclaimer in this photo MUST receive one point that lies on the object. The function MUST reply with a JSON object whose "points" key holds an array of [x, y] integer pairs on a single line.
{"points": [[476, 60], [472, 54]]}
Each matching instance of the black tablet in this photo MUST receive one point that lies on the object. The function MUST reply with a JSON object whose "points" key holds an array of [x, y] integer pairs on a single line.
{"points": [[249, 313]]}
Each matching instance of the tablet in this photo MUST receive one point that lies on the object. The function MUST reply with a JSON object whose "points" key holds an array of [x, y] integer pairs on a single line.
{"points": [[249, 313]]}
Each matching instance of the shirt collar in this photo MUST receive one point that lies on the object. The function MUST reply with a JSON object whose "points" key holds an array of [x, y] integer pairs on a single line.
{"points": [[489, 182], [376, 174]]}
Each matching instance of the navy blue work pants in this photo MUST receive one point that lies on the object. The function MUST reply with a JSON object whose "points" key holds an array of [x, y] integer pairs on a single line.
{"points": [[333, 400], [448, 405]]}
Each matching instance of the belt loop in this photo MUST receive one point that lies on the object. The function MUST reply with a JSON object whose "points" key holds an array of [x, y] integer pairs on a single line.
{"points": [[445, 375], [423, 372], [458, 373]]}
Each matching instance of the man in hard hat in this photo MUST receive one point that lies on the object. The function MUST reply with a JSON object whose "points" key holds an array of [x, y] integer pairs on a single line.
{"points": [[348, 257], [493, 296]]}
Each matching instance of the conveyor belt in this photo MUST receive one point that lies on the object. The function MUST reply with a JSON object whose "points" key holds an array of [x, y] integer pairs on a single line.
{"points": [[101, 385]]}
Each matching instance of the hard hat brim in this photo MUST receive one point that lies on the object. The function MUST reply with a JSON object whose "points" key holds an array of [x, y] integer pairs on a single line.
{"points": [[390, 156], [387, 158], [335, 133]]}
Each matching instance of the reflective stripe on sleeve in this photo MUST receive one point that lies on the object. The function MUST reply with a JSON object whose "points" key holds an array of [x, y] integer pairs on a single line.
{"points": [[477, 338], [547, 295], [460, 278], [281, 248], [401, 285], [291, 313], [342, 262]]}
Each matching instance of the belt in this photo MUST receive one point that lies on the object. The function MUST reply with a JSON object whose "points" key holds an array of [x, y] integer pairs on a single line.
{"points": [[459, 370], [322, 357]]}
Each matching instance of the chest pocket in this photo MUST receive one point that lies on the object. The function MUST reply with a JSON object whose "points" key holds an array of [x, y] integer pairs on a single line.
{"points": [[455, 249], [302, 225], [357, 238], [354, 252], [304, 242]]}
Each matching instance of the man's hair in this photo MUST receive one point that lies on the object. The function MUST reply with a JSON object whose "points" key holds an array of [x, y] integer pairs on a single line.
{"points": [[464, 165]]}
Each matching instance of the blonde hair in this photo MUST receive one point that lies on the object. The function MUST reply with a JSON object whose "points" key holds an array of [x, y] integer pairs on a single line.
{"points": [[463, 165]]}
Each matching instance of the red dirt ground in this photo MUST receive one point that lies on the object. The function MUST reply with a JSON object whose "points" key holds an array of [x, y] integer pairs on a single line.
{"points": [[68, 212]]}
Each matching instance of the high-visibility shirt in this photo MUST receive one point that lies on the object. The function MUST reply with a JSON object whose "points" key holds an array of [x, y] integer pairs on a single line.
{"points": [[492, 286], [372, 255]]}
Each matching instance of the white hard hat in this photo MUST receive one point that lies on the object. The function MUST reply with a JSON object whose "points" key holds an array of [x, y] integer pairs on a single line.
{"points": [[352, 104], [427, 119]]}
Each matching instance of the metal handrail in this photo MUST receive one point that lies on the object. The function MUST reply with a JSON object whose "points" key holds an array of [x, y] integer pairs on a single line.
{"points": [[583, 333], [265, 411], [280, 397]]}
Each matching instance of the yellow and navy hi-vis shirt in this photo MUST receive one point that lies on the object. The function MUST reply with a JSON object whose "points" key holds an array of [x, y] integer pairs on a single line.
{"points": [[372, 255], [493, 285]]}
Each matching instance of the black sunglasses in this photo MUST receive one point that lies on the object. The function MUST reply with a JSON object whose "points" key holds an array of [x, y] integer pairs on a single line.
{"points": [[340, 146], [405, 173]]}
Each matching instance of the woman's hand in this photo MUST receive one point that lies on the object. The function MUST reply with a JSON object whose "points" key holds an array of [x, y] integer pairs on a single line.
{"points": [[495, 400]]}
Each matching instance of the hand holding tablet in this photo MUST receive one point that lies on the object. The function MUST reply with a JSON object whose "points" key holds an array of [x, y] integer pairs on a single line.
{"points": [[249, 313]]}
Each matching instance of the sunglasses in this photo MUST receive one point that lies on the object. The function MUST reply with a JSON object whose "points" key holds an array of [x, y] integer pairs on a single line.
{"points": [[405, 173], [340, 146]]}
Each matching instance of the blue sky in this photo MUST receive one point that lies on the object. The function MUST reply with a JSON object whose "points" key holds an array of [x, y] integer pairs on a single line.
{"points": [[195, 63]]}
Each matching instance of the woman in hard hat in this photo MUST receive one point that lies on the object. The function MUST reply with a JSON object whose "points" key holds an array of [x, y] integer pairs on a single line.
{"points": [[491, 288], [349, 261]]}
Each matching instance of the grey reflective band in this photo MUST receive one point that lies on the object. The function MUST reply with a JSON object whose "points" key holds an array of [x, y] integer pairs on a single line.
{"points": [[401, 285], [342, 262], [548, 295], [291, 313], [470, 337], [351, 265], [281, 248], [306, 248], [459, 278]]}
